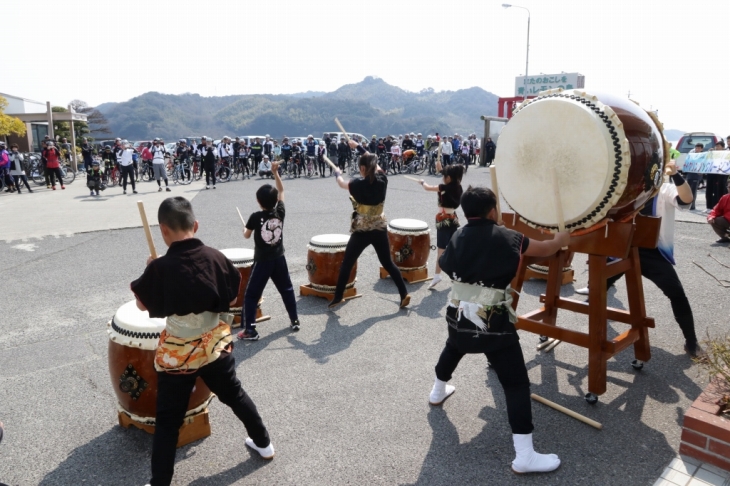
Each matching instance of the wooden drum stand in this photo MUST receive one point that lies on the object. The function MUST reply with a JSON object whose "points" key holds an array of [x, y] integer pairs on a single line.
{"points": [[618, 240]]}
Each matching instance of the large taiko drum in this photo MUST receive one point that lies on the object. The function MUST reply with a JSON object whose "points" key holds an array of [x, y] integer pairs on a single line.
{"points": [[133, 338], [410, 243], [242, 259], [608, 154], [325, 254]]}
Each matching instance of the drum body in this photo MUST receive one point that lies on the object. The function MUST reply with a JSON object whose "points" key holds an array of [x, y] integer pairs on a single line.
{"points": [[325, 254], [410, 243], [608, 155], [133, 338], [242, 259]]}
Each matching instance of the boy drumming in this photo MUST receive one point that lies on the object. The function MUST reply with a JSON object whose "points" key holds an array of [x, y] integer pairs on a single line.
{"points": [[189, 286], [482, 259]]}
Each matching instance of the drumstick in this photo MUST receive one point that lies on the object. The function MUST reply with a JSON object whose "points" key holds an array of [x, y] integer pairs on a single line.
{"points": [[495, 190], [552, 345], [567, 411], [412, 178], [342, 130], [147, 232], [334, 167], [558, 203], [239, 215]]}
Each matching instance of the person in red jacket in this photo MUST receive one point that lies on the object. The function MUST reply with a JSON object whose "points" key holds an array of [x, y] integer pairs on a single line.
{"points": [[719, 218], [53, 167]]}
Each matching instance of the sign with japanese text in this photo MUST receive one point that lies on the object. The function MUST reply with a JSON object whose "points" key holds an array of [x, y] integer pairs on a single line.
{"points": [[715, 162], [532, 85]]}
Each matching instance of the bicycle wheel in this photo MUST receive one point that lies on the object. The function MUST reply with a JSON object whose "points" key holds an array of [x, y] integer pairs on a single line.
{"points": [[146, 173], [68, 175], [197, 171], [37, 175], [223, 174], [419, 166], [186, 175]]}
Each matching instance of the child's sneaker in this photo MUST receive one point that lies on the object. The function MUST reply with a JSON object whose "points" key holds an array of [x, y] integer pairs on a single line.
{"points": [[295, 325], [92, 193], [168, 189], [63, 187], [248, 335], [159, 189], [265, 452]]}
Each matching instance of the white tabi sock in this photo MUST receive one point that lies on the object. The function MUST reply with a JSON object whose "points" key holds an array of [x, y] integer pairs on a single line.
{"points": [[529, 461], [440, 392]]}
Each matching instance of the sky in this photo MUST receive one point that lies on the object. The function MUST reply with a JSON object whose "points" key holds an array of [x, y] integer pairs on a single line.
{"points": [[671, 57]]}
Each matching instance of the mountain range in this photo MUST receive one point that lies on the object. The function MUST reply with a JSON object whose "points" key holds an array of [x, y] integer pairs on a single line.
{"points": [[371, 106]]}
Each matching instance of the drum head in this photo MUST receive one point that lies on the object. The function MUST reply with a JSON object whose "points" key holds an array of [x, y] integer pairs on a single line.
{"points": [[329, 241], [578, 137], [239, 256], [135, 328], [414, 225]]}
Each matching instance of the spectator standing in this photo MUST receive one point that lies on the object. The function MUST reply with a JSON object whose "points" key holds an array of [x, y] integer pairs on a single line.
{"points": [[16, 169], [207, 158], [158, 164], [694, 178], [719, 219], [276, 150], [87, 153], [373, 147], [490, 149], [343, 153], [5, 168], [125, 158], [447, 149], [53, 164], [66, 149], [257, 151], [716, 183]]}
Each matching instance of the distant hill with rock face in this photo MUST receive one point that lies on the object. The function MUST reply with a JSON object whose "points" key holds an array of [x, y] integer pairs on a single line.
{"points": [[371, 106]]}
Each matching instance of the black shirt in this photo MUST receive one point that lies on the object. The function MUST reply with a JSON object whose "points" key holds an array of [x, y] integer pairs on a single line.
{"points": [[369, 193], [268, 233], [450, 195], [189, 279]]}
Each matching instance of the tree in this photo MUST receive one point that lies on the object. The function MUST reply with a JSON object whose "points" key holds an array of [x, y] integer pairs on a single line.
{"points": [[63, 129], [9, 124], [97, 122]]}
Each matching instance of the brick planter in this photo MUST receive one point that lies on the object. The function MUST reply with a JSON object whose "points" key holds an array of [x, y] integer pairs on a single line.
{"points": [[705, 434]]}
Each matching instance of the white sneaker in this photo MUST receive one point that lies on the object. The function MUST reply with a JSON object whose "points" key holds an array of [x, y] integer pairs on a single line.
{"points": [[583, 291], [529, 461], [440, 392], [207, 187], [435, 281], [266, 452]]}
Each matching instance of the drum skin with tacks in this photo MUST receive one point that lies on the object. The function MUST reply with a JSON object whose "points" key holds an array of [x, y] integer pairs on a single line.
{"points": [[410, 243], [133, 338], [325, 254], [607, 152]]}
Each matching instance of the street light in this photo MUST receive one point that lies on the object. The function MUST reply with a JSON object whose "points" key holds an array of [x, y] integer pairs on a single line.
{"points": [[527, 60]]}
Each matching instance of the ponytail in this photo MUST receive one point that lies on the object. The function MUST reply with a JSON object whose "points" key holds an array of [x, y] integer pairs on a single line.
{"points": [[369, 161], [455, 172]]}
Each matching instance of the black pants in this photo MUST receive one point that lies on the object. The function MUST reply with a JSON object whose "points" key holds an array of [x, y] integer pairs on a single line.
{"points": [[512, 373], [446, 158], [716, 188], [24, 179], [53, 173], [322, 164], [359, 240], [278, 271], [209, 173], [127, 172], [657, 269], [244, 165], [693, 183], [173, 393]]}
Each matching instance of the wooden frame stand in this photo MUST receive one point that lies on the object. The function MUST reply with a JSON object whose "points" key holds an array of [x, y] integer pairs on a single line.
{"points": [[618, 240], [566, 277], [195, 427], [260, 317], [417, 275], [306, 290]]}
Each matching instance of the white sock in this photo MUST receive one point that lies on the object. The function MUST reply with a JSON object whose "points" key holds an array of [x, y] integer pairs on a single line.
{"points": [[440, 392], [527, 460]]}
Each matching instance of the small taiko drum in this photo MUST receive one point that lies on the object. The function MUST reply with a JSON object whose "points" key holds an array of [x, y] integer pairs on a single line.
{"points": [[608, 155], [242, 259], [410, 243], [133, 338], [325, 254]]}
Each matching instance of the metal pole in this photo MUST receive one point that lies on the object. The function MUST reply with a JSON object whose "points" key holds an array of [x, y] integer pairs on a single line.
{"points": [[72, 155], [527, 61]]}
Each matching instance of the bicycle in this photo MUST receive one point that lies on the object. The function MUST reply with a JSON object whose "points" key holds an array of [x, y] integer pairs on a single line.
{"points": [[416, 166], [145, 172], [222, 171], [181, 173], [196, 168], [309, 168], [68, 174]]}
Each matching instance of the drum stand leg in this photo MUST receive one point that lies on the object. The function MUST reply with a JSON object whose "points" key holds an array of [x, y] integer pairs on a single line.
{"points": [[414, 276], [306, 290], [195, 427], [624, 241]]}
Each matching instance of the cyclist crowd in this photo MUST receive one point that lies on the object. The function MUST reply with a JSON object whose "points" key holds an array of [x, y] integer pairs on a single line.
{"points": [[123, 164]]}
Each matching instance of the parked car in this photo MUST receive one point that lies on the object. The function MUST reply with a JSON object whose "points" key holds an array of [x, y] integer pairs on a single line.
{"points": [[688, 141], [142, 143]]}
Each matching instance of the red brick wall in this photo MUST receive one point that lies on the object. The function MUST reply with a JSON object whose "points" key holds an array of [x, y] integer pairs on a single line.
{"points": [[705, 434]]}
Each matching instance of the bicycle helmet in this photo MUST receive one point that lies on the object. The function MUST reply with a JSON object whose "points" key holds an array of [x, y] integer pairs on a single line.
{"points": [[49, 143], [182, 140], [309, 136], [374, 137], [156, 140], [419, 135], [2, 144], [203, 139], [107, 147]]}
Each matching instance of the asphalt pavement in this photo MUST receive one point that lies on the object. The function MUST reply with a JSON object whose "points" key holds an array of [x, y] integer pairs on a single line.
{"points": [[346, 398]]}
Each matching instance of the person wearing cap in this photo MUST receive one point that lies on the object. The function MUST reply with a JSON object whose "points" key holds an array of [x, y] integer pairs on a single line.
{"points": [[182, 153], [257, 151], [265, 168], [311, 146], [16, 169], [321, 154], [93, 179], [286, 153], [158, 164], [407, 143], [53, 164], [373, 146], [125, 157], [225, 150], [87, 153], [268, 146]]}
